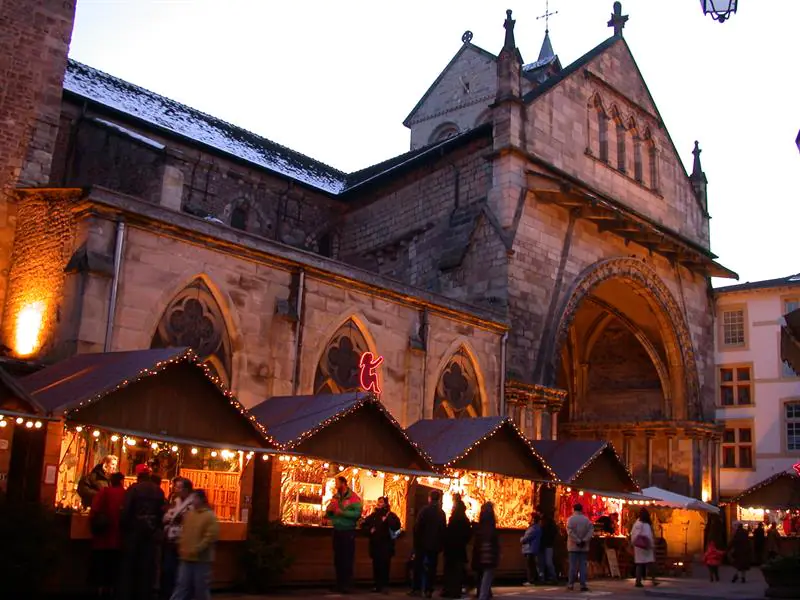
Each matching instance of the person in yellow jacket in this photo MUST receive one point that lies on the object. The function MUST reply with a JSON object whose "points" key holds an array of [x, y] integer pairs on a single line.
{"points": [[196, 551]]}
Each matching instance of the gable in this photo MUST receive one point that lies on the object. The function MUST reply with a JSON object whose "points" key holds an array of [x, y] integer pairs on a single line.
{"points": [[506, 454], [605, 473], [617, 68], [472, 68]]}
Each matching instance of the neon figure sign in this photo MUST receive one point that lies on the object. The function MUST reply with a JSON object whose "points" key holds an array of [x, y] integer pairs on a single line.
{"points": [[796, 468], [368, 377]]}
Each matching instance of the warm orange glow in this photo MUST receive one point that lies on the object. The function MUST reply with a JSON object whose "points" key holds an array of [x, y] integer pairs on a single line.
{"points": [[28, 331]]}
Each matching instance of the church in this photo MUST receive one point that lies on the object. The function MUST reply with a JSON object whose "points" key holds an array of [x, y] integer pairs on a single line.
{"points": [[539, 252]]}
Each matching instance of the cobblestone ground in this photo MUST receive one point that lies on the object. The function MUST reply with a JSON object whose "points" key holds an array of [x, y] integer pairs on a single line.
{"points": [[691, 587]]}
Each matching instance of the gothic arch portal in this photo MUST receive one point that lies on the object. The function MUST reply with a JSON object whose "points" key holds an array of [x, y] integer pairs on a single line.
{"points": [[195, 319], [337, 368], [677, 342], [459, 390]]}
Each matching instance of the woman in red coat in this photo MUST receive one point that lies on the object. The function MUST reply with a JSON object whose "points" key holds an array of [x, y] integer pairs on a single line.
{"points": [[106, 535]]}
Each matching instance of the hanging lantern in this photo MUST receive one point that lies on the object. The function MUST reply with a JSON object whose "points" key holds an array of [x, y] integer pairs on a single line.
{"points": [[720, 10]]}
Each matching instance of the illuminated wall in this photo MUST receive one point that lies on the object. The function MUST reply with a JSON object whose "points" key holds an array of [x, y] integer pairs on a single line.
{"points": [[42, 247]]}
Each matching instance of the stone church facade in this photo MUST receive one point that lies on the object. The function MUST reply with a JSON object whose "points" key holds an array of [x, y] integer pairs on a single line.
{"points": [[540, 251]]}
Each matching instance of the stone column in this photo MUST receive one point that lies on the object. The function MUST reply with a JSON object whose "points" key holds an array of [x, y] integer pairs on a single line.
{"points": [[671, 435], [714, 470], [553, 424], [537, 408], [649, 437], [627, 439], [697, 465]]}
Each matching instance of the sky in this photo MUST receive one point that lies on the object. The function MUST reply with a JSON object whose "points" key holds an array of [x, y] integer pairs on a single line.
{"points": [[335, 80]]}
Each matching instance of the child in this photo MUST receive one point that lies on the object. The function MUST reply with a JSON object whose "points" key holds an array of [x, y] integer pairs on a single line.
{"points": [[531, 543], [713, 559]]}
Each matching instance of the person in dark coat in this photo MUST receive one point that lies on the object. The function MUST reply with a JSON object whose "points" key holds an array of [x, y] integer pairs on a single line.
{"points": [[142, 512], [486, 550], [382, 526], [456, 538], [106, 537], [742, 555], [547, 569], [759, 541], [429, 532], [97, 479]]}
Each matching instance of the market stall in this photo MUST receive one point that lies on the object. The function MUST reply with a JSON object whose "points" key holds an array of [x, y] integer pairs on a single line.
{"points": [[592, 474], [321, 438], [483, 459], [775, 500], [159, 407]]}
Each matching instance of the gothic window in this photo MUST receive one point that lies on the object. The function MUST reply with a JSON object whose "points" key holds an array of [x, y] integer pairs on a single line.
{"points": [[637, 159], [443, 132], [194, 319], [602, 124], [621, 142], [652, 160], [239, 218], [338, 369], [457, 392]]}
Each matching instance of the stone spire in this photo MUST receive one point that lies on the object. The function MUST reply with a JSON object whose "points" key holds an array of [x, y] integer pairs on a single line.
{"points": [[698, 177], [547, 47], [618, 20], [510, 44]]}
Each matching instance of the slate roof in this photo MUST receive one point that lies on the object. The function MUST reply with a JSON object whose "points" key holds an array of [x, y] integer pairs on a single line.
{"points": [[569, 457], [765, 284], [17, 391], [134, 101], [788, 474]]}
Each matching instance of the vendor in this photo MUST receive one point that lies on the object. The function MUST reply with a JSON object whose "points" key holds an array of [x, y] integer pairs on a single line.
{"points": [[607, 524]]}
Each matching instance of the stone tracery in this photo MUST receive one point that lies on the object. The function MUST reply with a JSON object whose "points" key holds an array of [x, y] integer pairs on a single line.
{"points": [[458, 390], [338, 367]]}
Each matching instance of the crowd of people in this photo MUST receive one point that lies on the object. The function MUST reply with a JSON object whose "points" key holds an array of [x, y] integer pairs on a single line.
{"points": [[138, 533]]}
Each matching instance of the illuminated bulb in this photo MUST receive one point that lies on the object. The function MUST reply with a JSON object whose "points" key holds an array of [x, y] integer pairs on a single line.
{"points": [[767, 511], [341, 468], [407, 478], [265, 457], [194, 451], [3, 423], [29, 424], [79, 429], [38, 424], [355, 471], [580, 493], [396, 478], [20, 420], [382, 475], [115, 438], [131, 442], [325, 466], [213, 454], [569, 490], [594, 497], [310, 462], [154, 446], [96, 433], [174, 448]]}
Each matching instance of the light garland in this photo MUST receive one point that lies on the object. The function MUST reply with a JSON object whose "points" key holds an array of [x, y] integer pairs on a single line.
{"points": [[28, 424]]}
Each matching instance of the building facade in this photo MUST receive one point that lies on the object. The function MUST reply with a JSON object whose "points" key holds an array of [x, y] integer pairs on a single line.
{"points": [[541, 251], [758, 395]]}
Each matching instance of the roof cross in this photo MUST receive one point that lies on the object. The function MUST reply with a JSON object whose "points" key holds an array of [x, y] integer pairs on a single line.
{"points": [[546, 16], [617, 19]]}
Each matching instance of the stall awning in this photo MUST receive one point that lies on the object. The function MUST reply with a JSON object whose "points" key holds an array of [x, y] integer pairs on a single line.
{"points": [[780, 491], [790, 339], [587, 464], [164, 392], [14, 400], [485, 444], [673, 500], [352, 429]]}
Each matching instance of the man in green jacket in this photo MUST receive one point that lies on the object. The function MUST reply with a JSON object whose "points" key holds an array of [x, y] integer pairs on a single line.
{"points": [[344, 511], [196, 550]]}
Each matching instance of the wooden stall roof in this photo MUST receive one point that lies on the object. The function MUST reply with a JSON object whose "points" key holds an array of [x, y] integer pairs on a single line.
{"points": [[587, 464], [165, 391], [352, 428], [487, 444], [790, 339], [14, 399], [780, 491]]}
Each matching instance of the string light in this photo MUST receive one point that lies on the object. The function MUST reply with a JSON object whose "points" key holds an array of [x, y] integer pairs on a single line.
{"points": [[29, 424], [194, 451], [154, 446], [213, 454], [325, 466], [265, 456], [79, 429], [114, 438], [20, 420], [96, 433], [131, 442], [3, 423], [174, 448], [38, 424]]}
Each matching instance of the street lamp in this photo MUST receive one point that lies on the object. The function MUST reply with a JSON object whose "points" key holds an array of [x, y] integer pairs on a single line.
{"points": [[720, 10]]}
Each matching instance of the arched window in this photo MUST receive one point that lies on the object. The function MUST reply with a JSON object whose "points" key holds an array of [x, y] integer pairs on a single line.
{"points": [[194, 319], [458, 393], [602, 124], [338, 369], [239, 218], [637, 159], [621, 141], [443, 132], [652, 159]]}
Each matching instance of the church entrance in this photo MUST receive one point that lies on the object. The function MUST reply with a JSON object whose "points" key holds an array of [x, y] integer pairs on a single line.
{"points": [[622, 352]]}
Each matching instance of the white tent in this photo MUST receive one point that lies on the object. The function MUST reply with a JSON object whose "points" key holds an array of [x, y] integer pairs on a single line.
{"points": [[673, 500]]}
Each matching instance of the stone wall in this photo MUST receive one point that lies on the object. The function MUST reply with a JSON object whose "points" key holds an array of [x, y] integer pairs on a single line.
{"points": [[248, 285], [403, 227], [208, 184], [34, 39], [459, 100], [562, 128]]}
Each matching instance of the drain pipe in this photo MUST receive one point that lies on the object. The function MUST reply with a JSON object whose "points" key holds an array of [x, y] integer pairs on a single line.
{"points": [[112, 303], [298, 339], [503, 344]]}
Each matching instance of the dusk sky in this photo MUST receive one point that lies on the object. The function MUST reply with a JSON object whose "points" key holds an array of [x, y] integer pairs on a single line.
{"points": [[334, 80]]}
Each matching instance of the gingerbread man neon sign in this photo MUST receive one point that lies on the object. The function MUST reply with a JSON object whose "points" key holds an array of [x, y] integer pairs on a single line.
{"points": [[796, 468], [369, 372]]}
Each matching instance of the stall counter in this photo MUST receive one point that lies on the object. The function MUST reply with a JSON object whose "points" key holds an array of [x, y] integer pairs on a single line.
{"points": [[229, 531]]}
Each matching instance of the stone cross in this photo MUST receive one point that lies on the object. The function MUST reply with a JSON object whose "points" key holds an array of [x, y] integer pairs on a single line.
{"points": [[618, 19], [546, 16]]}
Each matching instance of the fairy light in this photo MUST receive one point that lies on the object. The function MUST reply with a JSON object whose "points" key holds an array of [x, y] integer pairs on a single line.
{"points": [[131, 441], [341, 468], [174, 448], [79, 429], [194, 451], [213, 454], [265, 457], [20, 420], [115, 438], [325, 466], [154, 446], [38, 425], [29, 424], [3, 423]]}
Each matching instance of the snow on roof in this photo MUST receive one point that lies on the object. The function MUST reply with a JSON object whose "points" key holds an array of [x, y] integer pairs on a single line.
{"points": [[131, 134], [182, 120]]}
